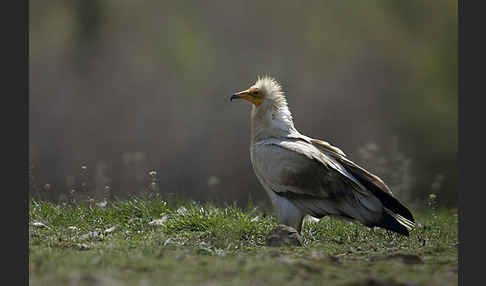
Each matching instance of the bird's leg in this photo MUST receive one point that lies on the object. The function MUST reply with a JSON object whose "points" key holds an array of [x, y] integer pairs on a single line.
{"points": [[294, 220], [288, 214], [300, 224]]}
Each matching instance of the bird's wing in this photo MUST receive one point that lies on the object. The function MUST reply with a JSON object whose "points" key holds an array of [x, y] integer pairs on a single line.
{"points": [[366, 178], [326, 146], [350, 165], [313, 180]]}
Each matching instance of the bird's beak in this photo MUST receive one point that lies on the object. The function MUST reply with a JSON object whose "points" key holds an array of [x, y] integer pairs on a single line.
{"points": [[246, 95], [242, 94]]}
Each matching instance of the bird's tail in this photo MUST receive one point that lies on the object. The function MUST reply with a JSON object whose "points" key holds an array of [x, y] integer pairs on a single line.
{"points": [[396, 217], [395, 222]]}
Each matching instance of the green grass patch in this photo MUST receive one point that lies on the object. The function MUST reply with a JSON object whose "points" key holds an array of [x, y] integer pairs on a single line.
{"points": [[193, 244]]}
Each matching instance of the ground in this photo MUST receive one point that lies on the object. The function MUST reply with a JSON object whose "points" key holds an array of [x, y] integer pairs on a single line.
{"points": [[156, 242]]}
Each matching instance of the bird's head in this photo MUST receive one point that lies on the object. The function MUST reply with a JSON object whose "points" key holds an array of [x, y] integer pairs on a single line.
{"points": [[270, 111], [265, 90]]}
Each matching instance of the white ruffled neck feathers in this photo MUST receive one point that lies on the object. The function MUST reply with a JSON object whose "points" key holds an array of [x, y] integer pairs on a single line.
{"points": [[272, 118]]}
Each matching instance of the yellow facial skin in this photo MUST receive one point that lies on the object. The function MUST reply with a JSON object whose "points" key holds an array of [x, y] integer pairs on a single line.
{"points": [[253, 95]]}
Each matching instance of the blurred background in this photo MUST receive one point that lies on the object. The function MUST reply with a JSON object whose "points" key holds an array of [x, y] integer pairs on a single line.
{"points": [[129, 97]]}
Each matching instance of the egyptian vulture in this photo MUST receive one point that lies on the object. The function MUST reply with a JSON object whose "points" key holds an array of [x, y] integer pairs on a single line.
{"points": [[305, 176]]}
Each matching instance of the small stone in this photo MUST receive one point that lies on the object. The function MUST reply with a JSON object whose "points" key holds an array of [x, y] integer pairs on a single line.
{"points": [[83, 246], [91, 234], [283, 235], [158, 222], [38, 224], [111, 229]]}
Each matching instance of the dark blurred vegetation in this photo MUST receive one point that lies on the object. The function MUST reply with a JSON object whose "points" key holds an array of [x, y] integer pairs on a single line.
{"points": [[121, 88]]}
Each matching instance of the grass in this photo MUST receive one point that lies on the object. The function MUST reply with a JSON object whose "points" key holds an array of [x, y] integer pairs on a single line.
{"points": [[201, 244]]}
